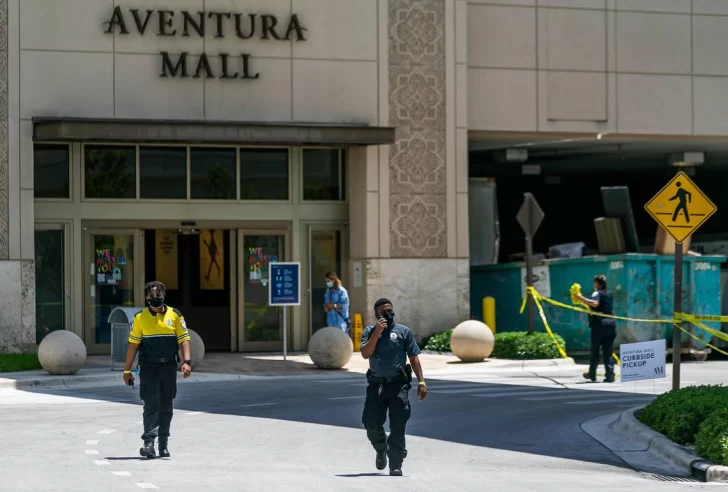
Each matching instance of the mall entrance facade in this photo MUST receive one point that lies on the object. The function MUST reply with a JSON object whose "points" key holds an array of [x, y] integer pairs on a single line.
{"points": [[207, 221]]}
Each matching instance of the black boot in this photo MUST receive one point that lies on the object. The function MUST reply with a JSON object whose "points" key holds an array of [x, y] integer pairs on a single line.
{"points": [[148, 449], [395, 471], [589, 377], [163, 450], [381, 460]]}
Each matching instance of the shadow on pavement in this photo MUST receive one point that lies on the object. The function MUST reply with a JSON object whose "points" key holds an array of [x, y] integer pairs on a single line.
{"points": [[526, 419]]}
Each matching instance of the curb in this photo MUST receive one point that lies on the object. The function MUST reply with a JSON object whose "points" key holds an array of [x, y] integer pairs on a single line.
{"points": [[113, 377], [658, 444]]}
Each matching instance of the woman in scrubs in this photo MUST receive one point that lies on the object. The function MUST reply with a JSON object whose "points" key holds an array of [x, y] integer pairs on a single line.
{"points": [[336, 303]]}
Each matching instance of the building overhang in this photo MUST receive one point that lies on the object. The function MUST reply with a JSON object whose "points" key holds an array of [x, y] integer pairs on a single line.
{"points": [[207, 132]]}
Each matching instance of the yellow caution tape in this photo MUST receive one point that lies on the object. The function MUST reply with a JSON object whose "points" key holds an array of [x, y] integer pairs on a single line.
{"points": [[700, 340], [695, 319]]}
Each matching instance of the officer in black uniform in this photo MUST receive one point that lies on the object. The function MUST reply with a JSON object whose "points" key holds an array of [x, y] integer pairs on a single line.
{"points": [[387, 346], [603, 330], [158, 333]]}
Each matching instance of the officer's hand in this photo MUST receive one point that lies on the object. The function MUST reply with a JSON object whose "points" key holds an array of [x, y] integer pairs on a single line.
{"points": [[421, 392], [381, 326], [128, 378], [186, 370]]}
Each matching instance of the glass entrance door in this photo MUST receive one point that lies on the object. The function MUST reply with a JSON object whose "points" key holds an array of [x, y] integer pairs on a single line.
{"points": [[326, 253], [52, 282], [114, 278], [260, 326]]}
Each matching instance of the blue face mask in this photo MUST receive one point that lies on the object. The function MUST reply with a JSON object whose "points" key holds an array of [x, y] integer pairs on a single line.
{"points": [[329, 284]]}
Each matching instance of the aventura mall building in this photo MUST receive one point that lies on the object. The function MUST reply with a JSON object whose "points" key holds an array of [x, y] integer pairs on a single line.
{"points": [[196, 141]]}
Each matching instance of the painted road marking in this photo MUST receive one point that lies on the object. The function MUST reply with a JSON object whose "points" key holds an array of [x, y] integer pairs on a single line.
{"points": [[517, 393], [611, 400], [140, 422], [258, 405], [347, 397], [92, 451], [102, 462], [92, 443], [122, 473], [193, 413], [146, 485], [107, 431]]}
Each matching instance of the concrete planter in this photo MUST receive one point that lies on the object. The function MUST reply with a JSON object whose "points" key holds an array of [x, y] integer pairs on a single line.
{"points": [[62, 353]]}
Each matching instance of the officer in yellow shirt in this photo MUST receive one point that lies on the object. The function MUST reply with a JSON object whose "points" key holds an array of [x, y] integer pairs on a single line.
{"points": [[158, 333]]}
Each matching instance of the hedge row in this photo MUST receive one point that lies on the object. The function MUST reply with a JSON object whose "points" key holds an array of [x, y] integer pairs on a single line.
{"points": [[694, 415], [508, 345]]}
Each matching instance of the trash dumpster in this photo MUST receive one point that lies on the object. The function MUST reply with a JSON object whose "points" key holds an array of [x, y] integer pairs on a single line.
{"points": [[642, 285], [121, 319]]}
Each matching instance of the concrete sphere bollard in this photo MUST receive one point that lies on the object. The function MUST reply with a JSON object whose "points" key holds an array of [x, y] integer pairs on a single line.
{"points": [[330, 348], [62, 353], [197, 350], [472, 341]]}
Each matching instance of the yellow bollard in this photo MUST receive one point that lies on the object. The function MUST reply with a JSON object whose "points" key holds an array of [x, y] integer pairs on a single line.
{"points": [[357, 328], [489, 312]]}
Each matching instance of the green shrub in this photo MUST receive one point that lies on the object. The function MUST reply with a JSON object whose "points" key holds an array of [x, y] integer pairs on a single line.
{"points": [[679, 414], [711, 442], [522, 346], [439, 342], [19, 362], [509, 345]]}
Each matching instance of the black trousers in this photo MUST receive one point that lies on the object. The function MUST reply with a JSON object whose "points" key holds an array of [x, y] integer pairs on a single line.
{"points": [[158, 388], [602, 341], [394, 398]]}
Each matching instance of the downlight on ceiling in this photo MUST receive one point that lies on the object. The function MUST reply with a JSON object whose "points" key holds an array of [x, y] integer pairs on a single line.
{"points": [[687, 159]]}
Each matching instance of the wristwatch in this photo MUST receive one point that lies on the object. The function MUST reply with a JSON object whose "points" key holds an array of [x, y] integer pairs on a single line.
{"points": [[188, 362]]}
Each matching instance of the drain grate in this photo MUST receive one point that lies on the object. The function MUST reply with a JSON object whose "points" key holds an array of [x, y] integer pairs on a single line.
{"points": [[668, 478]]}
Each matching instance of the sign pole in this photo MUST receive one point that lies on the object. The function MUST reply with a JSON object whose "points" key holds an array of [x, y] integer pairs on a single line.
{"points": [[676, 335], [285, 332], [529, 281], [529, 217], [680, 208]]}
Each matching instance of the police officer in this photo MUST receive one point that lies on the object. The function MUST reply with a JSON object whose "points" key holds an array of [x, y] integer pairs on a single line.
{"points": [[158, 332], [603, 330], [387, 346]]}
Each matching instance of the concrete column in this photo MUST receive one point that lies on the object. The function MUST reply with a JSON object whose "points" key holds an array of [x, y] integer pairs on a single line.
{"points": [[421, 262], [17, 266]]}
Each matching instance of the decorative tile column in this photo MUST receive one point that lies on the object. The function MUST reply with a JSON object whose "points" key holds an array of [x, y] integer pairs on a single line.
{"points": [[4, 182], [417, 111], [419, 266]]}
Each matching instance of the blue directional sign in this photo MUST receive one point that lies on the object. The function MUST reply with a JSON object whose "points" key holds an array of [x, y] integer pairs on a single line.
{"points": [[284, 286]]}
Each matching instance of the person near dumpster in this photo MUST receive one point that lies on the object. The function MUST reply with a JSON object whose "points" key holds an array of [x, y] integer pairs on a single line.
{"points": [[387, 345], [603, 330], [158, 333]]}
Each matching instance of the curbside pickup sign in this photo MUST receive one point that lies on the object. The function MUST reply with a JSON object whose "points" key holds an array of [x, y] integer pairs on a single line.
{"points": [[642, 361]]}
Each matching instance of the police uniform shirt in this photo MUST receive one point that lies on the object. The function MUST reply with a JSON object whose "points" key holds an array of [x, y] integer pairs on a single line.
{"points": [[159, 334], [392, 350], [606, 302]]}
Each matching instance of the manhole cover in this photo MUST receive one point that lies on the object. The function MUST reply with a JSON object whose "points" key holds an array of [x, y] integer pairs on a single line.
{"points": [[668, 478]]}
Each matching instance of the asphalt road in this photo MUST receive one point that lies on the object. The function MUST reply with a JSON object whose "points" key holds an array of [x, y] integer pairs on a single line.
{"points": [[513, 432]]}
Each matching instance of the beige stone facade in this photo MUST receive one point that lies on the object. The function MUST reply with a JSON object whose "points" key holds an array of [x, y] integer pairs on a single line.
{"points": [[440, 72]]}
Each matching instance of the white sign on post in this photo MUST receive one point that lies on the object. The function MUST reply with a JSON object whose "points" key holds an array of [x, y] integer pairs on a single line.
{"points": [[642, 361], [541, 280]]}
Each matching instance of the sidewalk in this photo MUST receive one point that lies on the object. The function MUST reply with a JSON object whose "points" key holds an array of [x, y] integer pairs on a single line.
{"points": [[224, 366]]}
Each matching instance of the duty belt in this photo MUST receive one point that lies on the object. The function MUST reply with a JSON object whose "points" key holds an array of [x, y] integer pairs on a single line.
{"points": [[158, 360], [395, 379]]}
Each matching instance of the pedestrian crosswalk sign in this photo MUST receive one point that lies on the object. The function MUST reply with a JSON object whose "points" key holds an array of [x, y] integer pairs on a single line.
{"points": [[680, 207]]}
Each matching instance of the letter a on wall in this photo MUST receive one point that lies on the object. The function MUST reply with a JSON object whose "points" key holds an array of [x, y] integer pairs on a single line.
{"points": [[212, 260]]}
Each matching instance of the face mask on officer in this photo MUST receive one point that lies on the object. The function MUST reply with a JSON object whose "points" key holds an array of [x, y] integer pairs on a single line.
{"points": [[389, 316], [156, 301]]}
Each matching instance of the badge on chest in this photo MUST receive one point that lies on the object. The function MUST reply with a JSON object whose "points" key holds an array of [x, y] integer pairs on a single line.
{"points": [[393, 336]]}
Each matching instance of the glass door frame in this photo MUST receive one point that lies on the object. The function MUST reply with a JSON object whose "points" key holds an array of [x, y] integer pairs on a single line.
{"points": [[89, 331], [311, 227], [242, 344], [65, 227]]}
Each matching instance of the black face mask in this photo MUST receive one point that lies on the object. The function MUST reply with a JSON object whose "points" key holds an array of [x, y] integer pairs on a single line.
{"points": [[156, 302], [389, 316]]}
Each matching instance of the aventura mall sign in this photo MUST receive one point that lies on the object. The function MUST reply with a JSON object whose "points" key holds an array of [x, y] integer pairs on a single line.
{"points": [[169, 23]]}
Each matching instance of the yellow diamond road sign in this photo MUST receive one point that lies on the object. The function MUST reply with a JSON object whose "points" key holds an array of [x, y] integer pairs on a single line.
{"points": [[680, 207]]}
